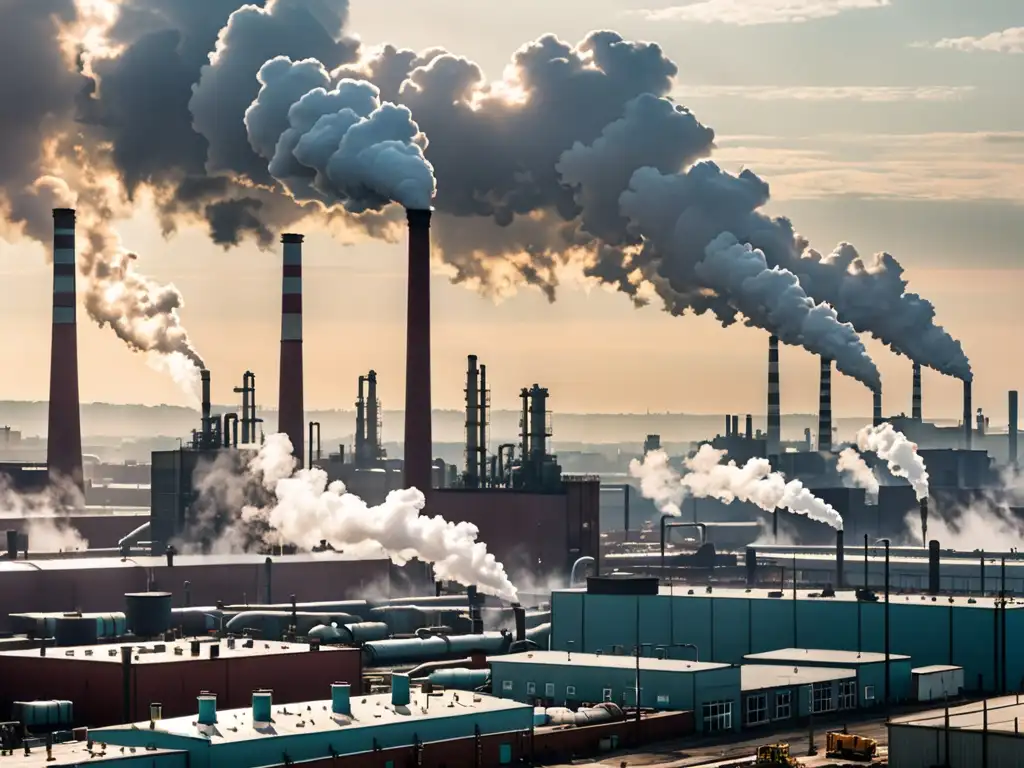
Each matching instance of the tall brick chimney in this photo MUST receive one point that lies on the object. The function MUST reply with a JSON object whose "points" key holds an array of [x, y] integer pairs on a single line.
{"points": [[915, 395], [290, 418], [876, 407], [825, 406], [418, 438], [774, 427], [64, 427]]}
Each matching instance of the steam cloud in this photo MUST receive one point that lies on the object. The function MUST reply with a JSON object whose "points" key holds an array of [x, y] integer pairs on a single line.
{"points": [[340, 145], [302, 508], [707, 477], [854, 468], [46, 516], [898, 452], [546, 153]]}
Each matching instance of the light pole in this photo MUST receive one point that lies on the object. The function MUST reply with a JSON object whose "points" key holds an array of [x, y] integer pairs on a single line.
{"points": [[887, 666]]}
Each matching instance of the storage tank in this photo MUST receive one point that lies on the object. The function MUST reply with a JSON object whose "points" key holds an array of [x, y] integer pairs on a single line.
{"points": [[43, 714], [364, 632], [148, 614], [328, 635], [75, 630], [460, 678]]}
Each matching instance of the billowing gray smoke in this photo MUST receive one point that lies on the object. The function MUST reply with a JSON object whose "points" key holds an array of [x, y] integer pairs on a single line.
{"points": [[339, 145]]}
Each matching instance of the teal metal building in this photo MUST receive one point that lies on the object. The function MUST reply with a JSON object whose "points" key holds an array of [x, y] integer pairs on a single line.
{"points": [[784, 695], [570, 679], [869, 669], [726, 625]]}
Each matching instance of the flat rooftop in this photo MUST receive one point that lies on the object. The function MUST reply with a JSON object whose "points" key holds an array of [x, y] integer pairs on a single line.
{"points": [[762, 677], [601, 660], [935, 669], [1004, 713], [304, 718], [841, 596], [820, 656], [76, 753], [148, 653]]}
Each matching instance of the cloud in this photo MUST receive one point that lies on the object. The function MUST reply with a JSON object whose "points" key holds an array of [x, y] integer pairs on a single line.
{"points": [[931, 166], [864, 93], [1007, 41], [751, 12]]}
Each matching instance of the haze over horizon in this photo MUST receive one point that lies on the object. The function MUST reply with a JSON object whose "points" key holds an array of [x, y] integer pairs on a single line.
{"points": [[913, 144]]}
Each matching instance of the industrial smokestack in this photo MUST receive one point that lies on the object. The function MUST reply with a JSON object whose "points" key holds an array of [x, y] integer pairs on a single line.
{"points": [[840, 560], [774, 427], [728, 425], [472, 421], [360, 438], [876, 407], [1011, 430], [520, 621], [64, 423], [735, 425], [825, 407], [967, 415], [372, 442], [750, 427], [915, 397], [418, 439], [933, 567], [485, 403], [290, 417], [923, 510], [204, 377]]}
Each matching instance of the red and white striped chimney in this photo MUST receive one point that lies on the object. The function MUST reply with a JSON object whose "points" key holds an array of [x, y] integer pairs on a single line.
{"points": [[64, 427], [418, 438], [290, 416]]}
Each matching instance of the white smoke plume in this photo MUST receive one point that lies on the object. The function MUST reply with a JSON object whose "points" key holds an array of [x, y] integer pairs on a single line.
{"points": [[898, 452], [335, 141], [303, 509], [45, 516], [856, 471], [754, 482]]}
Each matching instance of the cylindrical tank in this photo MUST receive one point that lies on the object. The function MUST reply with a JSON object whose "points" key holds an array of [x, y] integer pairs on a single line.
{"points": [[110, 625], [364, 632], [38, 714], [385, 652], [75, 630], [460, 678], [261, 703], [148, 614], [541, 635], [487, 642], [328, 635], [195, 621]]}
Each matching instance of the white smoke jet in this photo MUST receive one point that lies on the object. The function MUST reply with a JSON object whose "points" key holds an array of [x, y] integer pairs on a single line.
{"points": [[46, 516], [754, 482], [307, 509], [857, 471], [659, 482], [898, 452], [343, 142]]}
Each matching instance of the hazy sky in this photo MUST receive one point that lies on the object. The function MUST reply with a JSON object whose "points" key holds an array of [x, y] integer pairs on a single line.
{"points": [[896, 125]]}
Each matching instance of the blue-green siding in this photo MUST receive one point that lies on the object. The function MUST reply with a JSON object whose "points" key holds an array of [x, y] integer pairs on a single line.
{"points": [[725, 629]]}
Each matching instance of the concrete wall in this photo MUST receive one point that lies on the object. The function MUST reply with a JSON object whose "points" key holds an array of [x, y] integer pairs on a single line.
{"points": [[914, 746], [724, 629]]}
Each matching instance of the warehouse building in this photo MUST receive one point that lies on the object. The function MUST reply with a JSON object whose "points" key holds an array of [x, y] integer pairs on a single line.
{"points": [[780, 695], [869, 668], [983, 734], [937, 682], [400, 728], [561, 679], [727, 625], [114, 683]]}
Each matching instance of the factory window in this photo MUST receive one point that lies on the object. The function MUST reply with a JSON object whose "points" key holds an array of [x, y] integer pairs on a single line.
{"points": [[757, 708], [570, 691], [848, 694], [869, 693], [662, 699], [783, 711], [506, 686], [606, 694], [822, 697], [549, 689], [717, 716], [531, 689]]}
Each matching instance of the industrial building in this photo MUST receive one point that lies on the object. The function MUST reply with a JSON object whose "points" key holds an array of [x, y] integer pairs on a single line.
{"points": [[373, 731], [981, 734], [727, 625], [782, 695], [567, 679], [116, 683]]}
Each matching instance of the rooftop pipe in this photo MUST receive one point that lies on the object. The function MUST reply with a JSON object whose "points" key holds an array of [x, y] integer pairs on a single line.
{"points": [[64, 421], [774, 428], [825, 406], [418, 439], [290, 417]]}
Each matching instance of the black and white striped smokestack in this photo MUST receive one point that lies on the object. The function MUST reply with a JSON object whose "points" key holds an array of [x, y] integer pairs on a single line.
{"points": [[915, 397], [774, 426], [968, 415], [825, 406]]}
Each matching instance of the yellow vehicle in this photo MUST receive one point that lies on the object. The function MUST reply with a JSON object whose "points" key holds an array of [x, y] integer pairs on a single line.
{"points": [[774, 756], [849, 745]]}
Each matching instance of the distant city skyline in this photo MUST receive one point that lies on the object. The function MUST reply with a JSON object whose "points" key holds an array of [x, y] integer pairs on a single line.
{"points": [[913, 143]]}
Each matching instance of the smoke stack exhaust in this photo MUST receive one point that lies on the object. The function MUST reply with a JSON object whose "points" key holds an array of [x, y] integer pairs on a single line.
{"points": [[774, 427], [418, 438], [840, 560], [472, 420], [967, 415], [876, 407], [933, 567], [64, 421], [825, 407], [923, 509], [1011, 430], [915, 398], [204, 377], [290, 417], [360, 437], [750, 427], [372, 417]]}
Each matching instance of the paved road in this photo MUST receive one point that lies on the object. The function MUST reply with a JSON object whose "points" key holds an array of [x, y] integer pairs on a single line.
{"points": [[709, 753]]}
